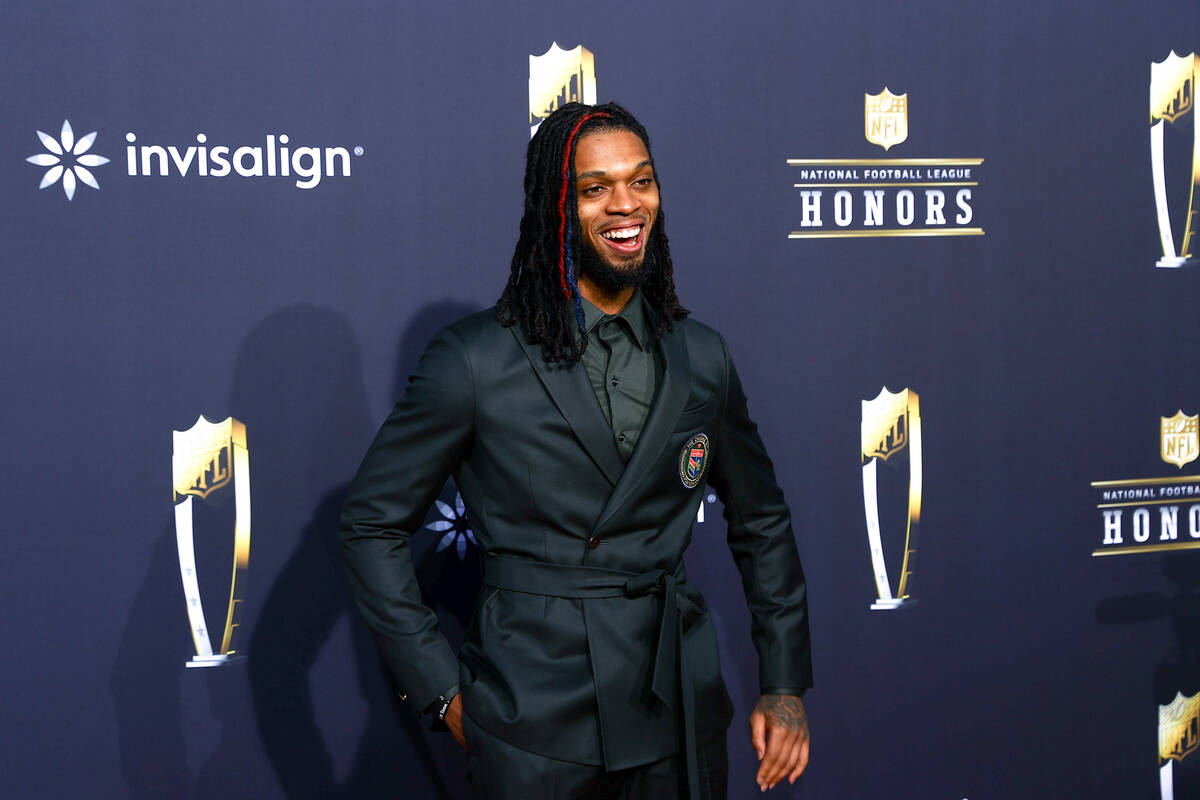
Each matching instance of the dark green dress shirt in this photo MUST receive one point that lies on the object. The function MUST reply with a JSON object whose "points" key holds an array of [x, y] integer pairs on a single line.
{"points": [[623, 366]]}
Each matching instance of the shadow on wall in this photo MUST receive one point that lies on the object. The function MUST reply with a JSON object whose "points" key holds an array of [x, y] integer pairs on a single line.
{"points": [[1178, 671], [309, 596], [326, 716]]}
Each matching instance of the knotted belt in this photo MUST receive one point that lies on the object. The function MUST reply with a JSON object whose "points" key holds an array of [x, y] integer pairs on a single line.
{"points": [[670, 676]]}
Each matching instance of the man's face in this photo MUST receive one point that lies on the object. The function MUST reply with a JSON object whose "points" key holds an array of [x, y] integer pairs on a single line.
{"points": [[617, 199]]}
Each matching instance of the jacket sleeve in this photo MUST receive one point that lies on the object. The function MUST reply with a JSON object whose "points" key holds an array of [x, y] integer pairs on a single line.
{"points": [[763, 545], [425, 437]]}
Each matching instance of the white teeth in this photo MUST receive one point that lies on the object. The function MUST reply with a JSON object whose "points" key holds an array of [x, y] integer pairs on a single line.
{"points": [[622, 233]]}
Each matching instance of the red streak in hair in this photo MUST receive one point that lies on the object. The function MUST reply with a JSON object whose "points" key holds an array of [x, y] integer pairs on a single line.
{"points": [[562, 202]]}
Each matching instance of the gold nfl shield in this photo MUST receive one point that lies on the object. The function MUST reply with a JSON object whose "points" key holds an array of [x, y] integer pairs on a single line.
{"points": [[1180, 440], [886, 118], [1177, 738], [207, 458], [558, 77], [1172, 98], [891, 423]]}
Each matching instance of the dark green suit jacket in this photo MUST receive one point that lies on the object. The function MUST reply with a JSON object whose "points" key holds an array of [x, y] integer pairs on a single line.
{"points": [[542, 480]]}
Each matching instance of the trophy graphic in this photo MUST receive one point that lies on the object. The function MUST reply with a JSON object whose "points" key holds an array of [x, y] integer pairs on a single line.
{"points": [[891, 430], [1172, 100], [206, 459], [557, 77], [1177, 737]]}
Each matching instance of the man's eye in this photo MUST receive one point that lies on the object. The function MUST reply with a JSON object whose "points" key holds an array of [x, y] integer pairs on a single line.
{"points": [[643, 181], [593, 190]]}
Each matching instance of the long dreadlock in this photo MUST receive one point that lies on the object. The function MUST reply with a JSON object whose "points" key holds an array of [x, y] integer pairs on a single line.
{"points": [[542, 294]]}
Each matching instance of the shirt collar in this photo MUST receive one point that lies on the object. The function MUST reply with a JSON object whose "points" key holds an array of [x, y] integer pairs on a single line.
{"points": [[631, 319]]}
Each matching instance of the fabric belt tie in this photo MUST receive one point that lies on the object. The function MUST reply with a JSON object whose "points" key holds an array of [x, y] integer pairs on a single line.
{"points": [[670, 674]]}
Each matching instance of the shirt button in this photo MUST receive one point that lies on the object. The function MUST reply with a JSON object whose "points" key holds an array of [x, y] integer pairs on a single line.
{"points": [[620, 437], [614, 380], [593, 542]]}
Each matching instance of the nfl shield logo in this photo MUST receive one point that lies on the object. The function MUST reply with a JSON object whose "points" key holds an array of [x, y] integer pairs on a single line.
{"points": [[202, 456], [1171, 87], [1177, 725], [1180, 442], [885, 422], [558, 77], [886, 118]]}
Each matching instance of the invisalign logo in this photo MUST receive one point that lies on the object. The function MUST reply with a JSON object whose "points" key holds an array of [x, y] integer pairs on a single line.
{"points": [[273, 159], [69, 160]]}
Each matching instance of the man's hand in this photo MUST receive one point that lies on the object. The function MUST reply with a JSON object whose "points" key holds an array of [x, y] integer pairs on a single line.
{"points": [[779, 733], [454, 720]]}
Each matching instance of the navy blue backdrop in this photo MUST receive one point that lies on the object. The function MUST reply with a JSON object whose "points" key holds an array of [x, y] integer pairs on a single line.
{"points": [[1044, 352]]}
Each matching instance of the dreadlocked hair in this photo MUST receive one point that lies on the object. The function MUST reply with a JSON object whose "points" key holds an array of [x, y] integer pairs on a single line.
{"points": [[542, 294]]}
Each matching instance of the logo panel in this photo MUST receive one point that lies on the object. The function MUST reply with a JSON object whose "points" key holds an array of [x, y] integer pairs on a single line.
{"points": [[868, 197], [1149, 515], [69, 160]]}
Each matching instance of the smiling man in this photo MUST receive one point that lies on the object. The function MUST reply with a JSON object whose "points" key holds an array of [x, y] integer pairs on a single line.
{"points": [[581, 419]]}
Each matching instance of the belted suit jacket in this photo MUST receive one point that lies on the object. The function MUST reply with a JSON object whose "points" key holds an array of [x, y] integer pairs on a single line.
{"points": [[542, 480]]}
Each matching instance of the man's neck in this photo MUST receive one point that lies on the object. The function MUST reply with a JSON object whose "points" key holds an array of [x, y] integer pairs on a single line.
{"points": [[610, 302]]}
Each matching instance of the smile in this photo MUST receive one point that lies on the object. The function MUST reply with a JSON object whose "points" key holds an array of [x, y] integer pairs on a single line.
{"points": [[624, 239]]}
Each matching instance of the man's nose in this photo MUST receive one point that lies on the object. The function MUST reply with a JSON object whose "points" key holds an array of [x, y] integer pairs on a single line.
{"points": [[622, 201]]}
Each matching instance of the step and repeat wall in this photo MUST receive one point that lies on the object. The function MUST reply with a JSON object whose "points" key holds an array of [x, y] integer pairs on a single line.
{"points": [[952, 246]]}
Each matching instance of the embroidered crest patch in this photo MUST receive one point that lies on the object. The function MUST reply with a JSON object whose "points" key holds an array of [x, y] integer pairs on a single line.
{"points": [[693, 460]]}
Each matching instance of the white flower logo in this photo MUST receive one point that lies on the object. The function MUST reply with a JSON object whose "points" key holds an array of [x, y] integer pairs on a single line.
{"points": [[68, 159], [455, 526]]}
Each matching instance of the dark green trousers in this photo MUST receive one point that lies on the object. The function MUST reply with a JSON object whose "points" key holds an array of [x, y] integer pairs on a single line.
{"points": [[500, 771]]}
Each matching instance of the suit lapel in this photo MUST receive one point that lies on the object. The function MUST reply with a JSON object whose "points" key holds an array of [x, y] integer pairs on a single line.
{"points": [[668, 404], [572, 392]]}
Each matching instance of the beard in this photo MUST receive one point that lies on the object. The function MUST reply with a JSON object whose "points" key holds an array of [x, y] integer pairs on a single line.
{"points": [[629, 275]]}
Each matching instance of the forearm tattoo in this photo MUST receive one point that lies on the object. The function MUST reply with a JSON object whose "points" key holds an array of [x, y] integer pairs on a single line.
{"points": [[783, 710]]}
